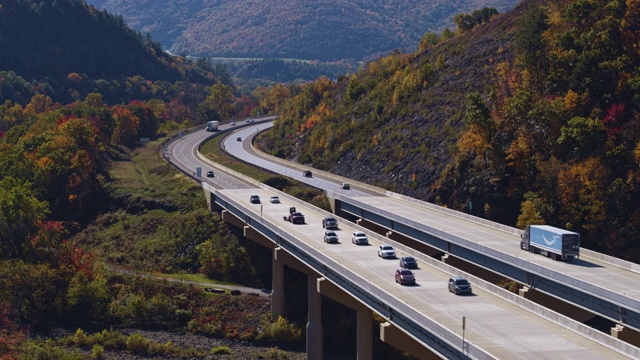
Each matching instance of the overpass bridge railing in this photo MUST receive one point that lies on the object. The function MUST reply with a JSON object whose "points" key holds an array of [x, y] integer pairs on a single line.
{"points": [[414, 323], [607, 303]]}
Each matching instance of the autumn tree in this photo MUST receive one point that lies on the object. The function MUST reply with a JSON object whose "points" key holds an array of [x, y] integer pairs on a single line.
{"points": [[20, 215], [126, 130], [529, 44], [274, 98], [220, 100]]}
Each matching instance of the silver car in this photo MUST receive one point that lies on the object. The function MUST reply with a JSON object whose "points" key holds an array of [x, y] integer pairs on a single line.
{"points": [[330, 236], [359, 238], [459, 285], [386, 251]]}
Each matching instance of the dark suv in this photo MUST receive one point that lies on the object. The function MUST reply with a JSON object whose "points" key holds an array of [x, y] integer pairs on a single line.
{"points": [[459, 285], [330, 223], [296, 218], [255, 199], [307, 173]]}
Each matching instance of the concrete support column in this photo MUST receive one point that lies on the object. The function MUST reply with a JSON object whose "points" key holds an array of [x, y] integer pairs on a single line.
{"points": [[277, 287], [365, 334], [314, 324]]}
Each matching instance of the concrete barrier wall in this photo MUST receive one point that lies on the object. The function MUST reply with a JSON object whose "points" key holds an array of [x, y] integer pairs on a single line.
{"points": [[550, 315], [559, 319]]}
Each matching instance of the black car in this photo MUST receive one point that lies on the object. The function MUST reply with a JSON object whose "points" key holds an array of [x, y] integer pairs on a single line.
{"points": [[408, 262], [210, 173], [255, 199], [307, 173], [330, 223], [459, 285]]}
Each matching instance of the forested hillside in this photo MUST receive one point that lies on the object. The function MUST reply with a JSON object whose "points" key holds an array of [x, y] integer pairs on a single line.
{"points": [[311, 30], [530, 118], [66, 49]]}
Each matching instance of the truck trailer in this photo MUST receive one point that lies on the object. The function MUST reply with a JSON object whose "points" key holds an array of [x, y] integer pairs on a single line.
{"points": [[551, 242], [212, 126]]}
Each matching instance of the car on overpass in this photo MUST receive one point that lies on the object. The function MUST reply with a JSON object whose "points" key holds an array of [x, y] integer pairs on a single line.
{"points": [[254, 199], [359, 238], [405, 277], [459, 285], [274, 200], [330, 236], [330, 222], [345, 186], [386, 251], [408, 262], [295, 218], [210, 173]]}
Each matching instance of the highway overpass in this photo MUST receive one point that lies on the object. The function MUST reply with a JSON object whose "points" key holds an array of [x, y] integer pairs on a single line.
{"points": [[598, 283], [499, 324]]}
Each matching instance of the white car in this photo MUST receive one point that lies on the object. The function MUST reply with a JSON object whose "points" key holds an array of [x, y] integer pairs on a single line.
{"points": [[275, 200], [359, 238], [386, 251]]}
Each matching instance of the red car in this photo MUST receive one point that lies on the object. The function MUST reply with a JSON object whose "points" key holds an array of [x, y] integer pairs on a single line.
{"points": [[405, 276]]}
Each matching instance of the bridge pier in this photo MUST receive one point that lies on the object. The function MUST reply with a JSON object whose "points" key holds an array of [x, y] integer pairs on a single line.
{"points": [[398, 339], [277, 287], [364, 317], [364, 327], [314, 321]]}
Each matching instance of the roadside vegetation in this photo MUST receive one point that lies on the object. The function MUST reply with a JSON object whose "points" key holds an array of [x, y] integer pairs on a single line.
{"points": [[526, 117]]}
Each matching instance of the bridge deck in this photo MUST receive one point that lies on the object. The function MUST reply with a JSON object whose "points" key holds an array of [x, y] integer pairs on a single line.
{"points": [[599, 273], [503, 329]]}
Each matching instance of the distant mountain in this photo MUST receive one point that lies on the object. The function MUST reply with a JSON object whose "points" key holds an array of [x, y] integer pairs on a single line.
{"points": [[66, 49], [304, 29]]}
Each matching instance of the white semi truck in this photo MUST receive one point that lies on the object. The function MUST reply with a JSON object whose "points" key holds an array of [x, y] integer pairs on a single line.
{"points": [[212, 126]]}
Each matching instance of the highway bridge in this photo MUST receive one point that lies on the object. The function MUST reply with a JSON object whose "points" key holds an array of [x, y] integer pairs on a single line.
{"points": [[499, 324]]}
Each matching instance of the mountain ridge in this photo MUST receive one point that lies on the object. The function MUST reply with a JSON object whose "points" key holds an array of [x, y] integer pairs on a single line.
{"points": [[327, 31]]}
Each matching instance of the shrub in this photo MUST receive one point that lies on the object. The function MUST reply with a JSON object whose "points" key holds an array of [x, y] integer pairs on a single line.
{"points": [[97, 351], [221, 350], [274, 354], [138, 344], [280, 332], [36, 350]]}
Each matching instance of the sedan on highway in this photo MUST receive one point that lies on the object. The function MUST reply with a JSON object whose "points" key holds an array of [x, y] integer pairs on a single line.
{"points": [[210, 173], [274, 200], [255, 199], [330, 222], [330, 236], [386, 251], [359, 238], [408, 262], [405, 276], [459, 285]]}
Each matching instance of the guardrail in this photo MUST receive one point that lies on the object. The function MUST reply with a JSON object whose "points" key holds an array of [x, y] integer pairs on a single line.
{"points": [[419, 326], [365, 287], [577, 284]]}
